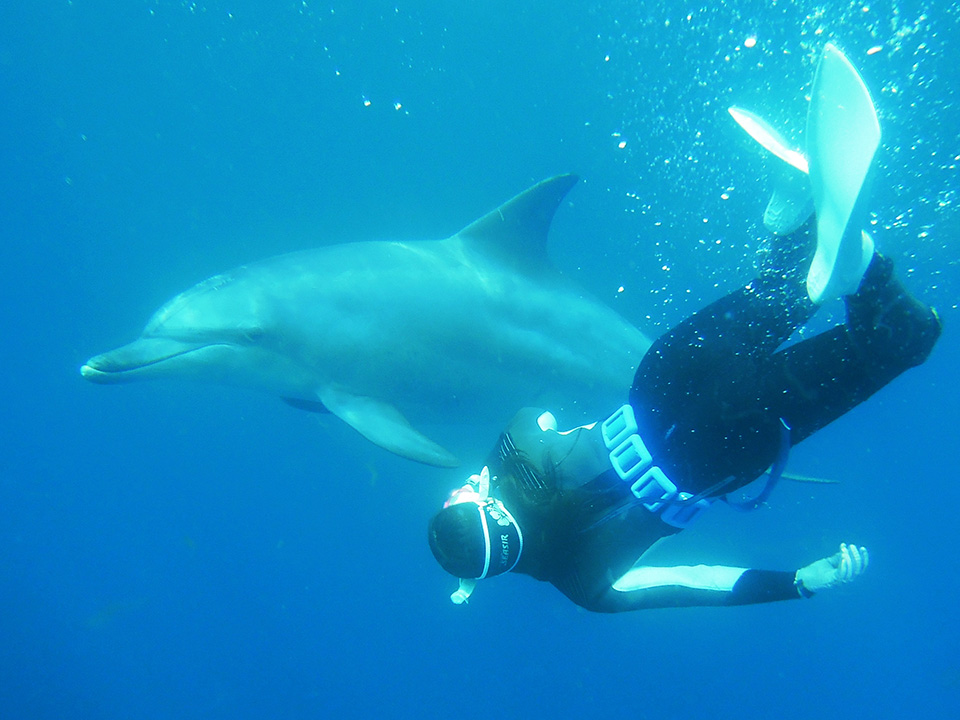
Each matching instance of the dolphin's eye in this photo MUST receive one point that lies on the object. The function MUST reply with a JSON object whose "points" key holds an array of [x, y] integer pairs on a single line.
{"points": [[251, 334]]}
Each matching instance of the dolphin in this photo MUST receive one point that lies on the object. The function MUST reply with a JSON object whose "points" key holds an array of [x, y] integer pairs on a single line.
{"points": [[391, 336]]}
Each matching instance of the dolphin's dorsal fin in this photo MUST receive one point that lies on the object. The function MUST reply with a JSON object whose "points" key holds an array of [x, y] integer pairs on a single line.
{"points": [[516, 232], [384, 425]]}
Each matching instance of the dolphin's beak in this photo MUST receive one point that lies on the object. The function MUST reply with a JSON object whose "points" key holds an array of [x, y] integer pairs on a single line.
{"points": [[123, 364]]}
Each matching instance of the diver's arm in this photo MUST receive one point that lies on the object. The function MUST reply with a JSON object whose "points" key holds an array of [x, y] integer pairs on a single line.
{"points": [[684, 586], [646, 587]]}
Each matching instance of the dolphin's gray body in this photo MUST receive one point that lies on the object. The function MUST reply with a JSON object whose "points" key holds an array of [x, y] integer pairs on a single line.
{"points": [[385, 334]]}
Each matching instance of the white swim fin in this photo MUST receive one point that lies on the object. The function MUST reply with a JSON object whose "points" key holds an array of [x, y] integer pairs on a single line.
{"points": [[843, 134], [761, 131], [792, 202]]}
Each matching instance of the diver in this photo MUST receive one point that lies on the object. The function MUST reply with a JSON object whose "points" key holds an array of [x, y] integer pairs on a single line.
{"points": [[716, 402]]}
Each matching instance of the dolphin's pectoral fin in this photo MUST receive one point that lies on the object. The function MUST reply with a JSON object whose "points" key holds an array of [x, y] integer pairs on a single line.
{"points": [[516, 232], [308, 405], [383, 425], [809, 479]]}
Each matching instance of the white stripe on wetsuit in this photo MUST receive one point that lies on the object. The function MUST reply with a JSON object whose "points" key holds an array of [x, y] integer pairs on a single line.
{"points": [[699, 577]]}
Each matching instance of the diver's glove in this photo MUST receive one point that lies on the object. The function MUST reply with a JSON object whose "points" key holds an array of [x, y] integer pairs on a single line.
{"points": [[846, 566]]}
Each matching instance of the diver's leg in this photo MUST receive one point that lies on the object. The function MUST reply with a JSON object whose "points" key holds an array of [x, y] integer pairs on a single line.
{"points": [[709, 396], [754, 320], [711, 411], [698, 394], [887, 331]]}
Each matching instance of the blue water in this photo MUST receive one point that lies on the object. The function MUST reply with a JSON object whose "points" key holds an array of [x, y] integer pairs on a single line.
{"points": [[169, 551]]}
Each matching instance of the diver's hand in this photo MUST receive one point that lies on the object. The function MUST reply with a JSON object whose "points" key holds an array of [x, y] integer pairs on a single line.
{"points": [[846, 566]]}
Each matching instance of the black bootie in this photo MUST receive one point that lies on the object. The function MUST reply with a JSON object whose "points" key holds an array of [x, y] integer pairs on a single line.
{"points": [[887, 322]]}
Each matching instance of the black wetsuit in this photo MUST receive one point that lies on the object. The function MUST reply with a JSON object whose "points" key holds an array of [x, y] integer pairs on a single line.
{"points": [[709, 397]]}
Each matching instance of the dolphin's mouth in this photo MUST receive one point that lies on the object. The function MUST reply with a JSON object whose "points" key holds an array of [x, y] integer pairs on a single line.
{"points": [[126, 362]]}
